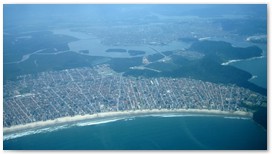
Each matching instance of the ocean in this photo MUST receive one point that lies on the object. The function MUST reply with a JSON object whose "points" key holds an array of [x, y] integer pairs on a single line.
{"points": [[162, 132], [257, 67]]}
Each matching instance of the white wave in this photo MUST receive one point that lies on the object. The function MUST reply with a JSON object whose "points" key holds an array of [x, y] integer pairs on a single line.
{"points": [[256, 37], [32, 132], [238, 118], [80, 124], [97, 122], [180, 115], [245, 118], [253, 77], [204, 38], [52, 129], [16, 135], [237, 60], [231, 61], [260, 57], [173, 115], [128, 119]]}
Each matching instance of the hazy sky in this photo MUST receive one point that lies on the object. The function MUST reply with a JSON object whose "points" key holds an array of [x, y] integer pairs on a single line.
{"points": [[19, 14]]}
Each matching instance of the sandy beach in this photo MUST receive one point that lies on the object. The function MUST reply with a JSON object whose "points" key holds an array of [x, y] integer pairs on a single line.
{"points": [[76, 118]]}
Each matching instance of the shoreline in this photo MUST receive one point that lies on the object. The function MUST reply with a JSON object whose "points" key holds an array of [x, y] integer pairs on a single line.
{"points": [[237, 60], [256, 78], [78, 118]]}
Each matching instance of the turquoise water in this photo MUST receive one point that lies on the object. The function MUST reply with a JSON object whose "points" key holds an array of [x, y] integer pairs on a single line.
{"points": [[151, 133]]}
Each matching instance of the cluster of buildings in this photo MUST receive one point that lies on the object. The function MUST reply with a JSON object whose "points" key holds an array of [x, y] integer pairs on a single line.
{"points": [[80, 91]]}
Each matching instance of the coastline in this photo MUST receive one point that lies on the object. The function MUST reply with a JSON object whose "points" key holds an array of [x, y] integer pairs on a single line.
{"points": [[237, 60], [78, 118]]}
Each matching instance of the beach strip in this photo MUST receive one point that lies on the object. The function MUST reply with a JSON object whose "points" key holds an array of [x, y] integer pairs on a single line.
{"points": [[76, 118]]}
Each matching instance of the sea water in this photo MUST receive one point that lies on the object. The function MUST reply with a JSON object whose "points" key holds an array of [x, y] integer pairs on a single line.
{"points": [[166, 132], [257, 67]]}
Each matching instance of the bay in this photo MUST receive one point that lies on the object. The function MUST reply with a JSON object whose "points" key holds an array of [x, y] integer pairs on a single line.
{"points": [[257, 67]]}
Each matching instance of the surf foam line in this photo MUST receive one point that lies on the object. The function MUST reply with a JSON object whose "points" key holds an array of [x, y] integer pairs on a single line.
{"points": [[102, 118], [82, 124], [57, 128], [237, 118], [179, 115], [32, 132], [237, 60], [97, 122]]}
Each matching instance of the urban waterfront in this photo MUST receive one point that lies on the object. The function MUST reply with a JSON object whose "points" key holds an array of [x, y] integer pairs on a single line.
{"points": [[52, 95]]}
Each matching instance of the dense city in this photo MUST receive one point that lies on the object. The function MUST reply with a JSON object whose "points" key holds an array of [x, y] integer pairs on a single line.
{"points": [[81, 91]]}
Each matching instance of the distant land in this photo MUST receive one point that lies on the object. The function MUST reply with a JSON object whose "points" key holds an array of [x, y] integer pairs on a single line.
{"points": [[195, 47], [207, 68]]}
